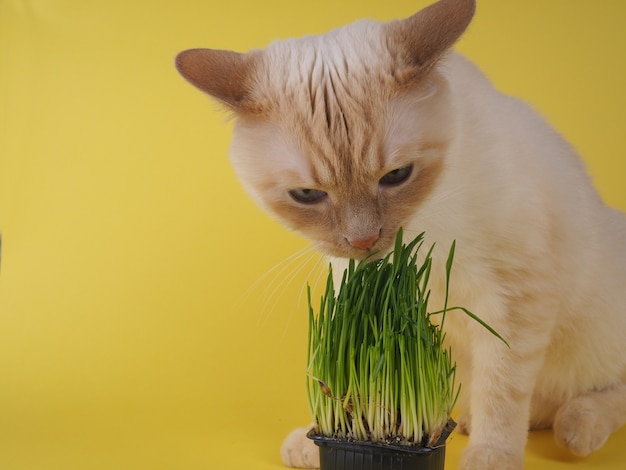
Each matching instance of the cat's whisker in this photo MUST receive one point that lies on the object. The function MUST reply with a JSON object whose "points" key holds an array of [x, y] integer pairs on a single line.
{"points": [[282, 275], [314, 273], [275, 272], [283, 279]]}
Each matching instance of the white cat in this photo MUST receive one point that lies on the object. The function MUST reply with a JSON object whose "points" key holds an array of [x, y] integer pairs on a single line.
{"points": [[348, 136]]}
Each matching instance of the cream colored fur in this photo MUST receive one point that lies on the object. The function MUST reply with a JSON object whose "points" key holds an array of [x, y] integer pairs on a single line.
{"points": [[539, 256]]}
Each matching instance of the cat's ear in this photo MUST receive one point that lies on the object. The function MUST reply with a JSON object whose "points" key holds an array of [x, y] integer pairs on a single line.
{"points": [[225, 75], [424, 37]]}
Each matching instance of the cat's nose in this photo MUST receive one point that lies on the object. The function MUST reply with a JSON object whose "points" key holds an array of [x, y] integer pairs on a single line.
{"points": [[364, 243]]}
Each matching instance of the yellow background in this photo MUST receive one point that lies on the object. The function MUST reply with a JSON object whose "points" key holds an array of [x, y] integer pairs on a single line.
{"points": [[137, 326]]}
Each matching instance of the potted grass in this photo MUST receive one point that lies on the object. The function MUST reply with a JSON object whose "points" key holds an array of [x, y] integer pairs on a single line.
{"points": [[381, 383]]}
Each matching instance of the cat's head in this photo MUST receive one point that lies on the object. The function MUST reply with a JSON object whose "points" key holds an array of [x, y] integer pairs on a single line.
{"points": [[340, 136]]}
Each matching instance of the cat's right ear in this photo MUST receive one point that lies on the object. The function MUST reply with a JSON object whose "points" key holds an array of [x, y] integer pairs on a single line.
{"points": [[225, 75]]}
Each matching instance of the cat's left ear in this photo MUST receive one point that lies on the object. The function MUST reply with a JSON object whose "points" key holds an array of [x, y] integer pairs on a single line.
{"points": [[423, 38], [225, 75]]}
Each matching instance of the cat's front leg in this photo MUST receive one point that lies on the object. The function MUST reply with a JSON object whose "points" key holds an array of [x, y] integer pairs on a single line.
{"points": [[502, 385], [299, 451]]}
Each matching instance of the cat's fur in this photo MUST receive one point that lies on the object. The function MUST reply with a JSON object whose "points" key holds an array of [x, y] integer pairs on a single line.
{"points": [[539, 256]]}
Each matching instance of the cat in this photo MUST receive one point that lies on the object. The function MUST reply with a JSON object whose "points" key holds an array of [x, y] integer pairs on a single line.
{"points": [[348, 136]]}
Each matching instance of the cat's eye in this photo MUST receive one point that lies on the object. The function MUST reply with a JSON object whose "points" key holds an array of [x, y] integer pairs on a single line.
{"points": [[397, 176], [307, 196]]}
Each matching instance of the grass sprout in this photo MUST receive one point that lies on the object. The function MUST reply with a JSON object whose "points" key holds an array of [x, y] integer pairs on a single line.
{"points": [[377, 366]]}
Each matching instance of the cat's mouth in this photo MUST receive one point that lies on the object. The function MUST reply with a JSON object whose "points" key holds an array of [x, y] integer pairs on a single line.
{"points": [[370, 254], [359, 249]]}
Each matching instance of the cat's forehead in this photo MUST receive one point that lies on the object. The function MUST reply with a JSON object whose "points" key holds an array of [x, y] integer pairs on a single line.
{"points": [[347, 49], [340, 104], [330, 93], [348, 66]]}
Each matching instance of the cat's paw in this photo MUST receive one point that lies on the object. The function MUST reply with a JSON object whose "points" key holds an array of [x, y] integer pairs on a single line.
{"points": [[579, 428], [299, 451], [482, 457]]}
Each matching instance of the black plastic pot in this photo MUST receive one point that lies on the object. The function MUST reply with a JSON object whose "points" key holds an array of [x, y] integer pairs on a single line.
{"points": [[337, 454]]}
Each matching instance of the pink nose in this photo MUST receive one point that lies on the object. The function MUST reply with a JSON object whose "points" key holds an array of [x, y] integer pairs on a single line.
{"points": [[364, 243]]}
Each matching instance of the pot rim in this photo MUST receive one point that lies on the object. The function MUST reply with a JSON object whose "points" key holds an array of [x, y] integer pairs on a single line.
{"points": [[381, 447]]}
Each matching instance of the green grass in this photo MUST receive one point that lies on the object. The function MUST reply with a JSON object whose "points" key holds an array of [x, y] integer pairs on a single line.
{"points": [[377, 366]]}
